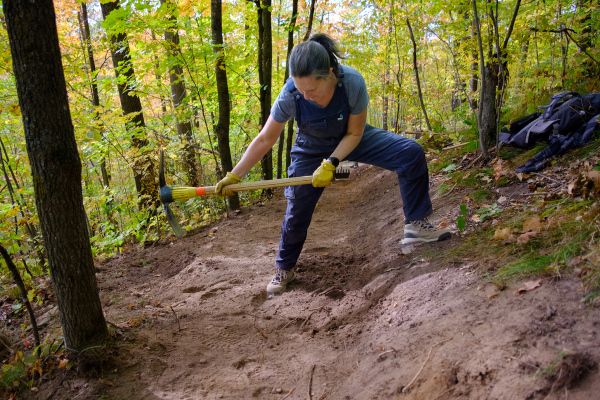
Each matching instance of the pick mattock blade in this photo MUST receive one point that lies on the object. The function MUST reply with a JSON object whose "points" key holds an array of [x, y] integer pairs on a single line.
{"points": [[173, 221]]}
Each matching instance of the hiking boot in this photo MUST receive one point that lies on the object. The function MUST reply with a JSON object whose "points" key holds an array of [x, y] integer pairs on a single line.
{"points": [[280, 281], [423, 231]]}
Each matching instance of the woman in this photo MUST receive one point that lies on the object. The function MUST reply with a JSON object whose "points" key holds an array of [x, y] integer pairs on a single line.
{"points": [[329, 102]]}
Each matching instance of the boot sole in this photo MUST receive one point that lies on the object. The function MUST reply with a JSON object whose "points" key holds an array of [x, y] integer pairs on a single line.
{"points": [[414, 240]]}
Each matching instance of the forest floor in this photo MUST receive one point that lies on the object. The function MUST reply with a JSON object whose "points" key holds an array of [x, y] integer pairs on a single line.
{"points": [[367, 317]]}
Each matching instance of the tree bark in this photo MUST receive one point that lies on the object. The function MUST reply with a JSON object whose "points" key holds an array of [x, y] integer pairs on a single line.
{"points": [[415, 66], [486, 122], [222, 126], [56, 168], [144, 170], [290, 125], [474, 67], [310, 20], [178, 93], [265, 68]]}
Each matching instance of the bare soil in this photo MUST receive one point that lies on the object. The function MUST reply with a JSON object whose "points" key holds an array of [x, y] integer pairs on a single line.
{"points": [[365, 317]]}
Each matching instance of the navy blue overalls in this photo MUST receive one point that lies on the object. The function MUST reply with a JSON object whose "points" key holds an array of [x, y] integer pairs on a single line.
{"points": [[320, 130]]}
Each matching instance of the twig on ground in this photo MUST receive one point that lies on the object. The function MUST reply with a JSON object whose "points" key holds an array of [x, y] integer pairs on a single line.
{"points": [[116, 326], [547, 177], [306, 320], [508, 201], [444, 392], [314, 310], [312, 370], [423, 366], [327, 290], [292, 320], [393, 350], [557, 204], [60, 347], [323, 395], [259, 330], [177, 318], [288, 395], [450, 191]]}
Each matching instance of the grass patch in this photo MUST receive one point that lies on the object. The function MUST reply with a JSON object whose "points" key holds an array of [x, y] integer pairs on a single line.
{"points": [[480, 196], [525, 156], [578, 154], [550, 252], [564, 246]]}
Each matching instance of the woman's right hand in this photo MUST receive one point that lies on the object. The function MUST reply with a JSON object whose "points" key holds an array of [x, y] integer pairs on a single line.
{"points": [[230, 179]]}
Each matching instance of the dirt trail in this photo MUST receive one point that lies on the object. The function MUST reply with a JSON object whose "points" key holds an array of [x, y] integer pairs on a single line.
{"points": [[366, 314]]}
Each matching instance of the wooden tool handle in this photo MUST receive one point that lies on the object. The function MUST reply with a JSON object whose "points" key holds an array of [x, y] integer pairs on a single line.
{"points": [[275, 183], [186, 193]]}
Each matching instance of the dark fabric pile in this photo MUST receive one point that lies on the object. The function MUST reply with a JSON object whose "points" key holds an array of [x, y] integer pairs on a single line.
{"points": [[567, 122]]}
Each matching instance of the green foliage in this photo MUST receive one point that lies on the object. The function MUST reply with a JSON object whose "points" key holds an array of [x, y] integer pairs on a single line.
{"points": [[486, 212]]}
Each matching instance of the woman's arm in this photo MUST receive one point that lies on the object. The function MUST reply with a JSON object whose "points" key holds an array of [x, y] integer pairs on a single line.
{"points": [[356, 127], [265, 140]]}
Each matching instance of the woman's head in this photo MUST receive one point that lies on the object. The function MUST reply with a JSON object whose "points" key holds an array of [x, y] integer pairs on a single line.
{"points": [[315, 58]]}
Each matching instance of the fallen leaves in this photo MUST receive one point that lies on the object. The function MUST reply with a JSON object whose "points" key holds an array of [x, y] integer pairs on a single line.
{"points": [[529, 286], [524, 238], [533, 224], [502, 234]]}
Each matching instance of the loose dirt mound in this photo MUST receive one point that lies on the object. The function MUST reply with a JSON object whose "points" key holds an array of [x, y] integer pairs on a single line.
{"points": [[378, 320]]}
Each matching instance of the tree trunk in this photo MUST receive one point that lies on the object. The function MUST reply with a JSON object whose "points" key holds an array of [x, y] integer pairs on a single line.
{"points": [[474, 68], [178, 93], [310, 20], [415, 66], [56, 168], [265, 68], [144, 170], [487, 100], [222, 126], [290, 125]]}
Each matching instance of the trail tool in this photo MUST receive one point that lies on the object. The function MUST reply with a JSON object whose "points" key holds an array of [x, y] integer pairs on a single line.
{"points": [[169, 194]]}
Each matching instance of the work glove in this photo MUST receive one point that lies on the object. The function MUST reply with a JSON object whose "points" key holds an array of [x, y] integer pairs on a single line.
{"points": [[230, 179], [323, 175]]}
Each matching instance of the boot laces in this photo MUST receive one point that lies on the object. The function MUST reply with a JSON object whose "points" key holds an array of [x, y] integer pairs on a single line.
{"points": [[280, 276], [423, 224]]}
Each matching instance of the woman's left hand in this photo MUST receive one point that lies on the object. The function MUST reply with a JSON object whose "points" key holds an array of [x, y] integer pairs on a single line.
{"points": [[323, 175]]}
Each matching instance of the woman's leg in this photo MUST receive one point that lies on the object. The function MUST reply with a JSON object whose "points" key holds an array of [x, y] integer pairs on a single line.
{"points": [[407, 158], [404, 156], [302, 201]]}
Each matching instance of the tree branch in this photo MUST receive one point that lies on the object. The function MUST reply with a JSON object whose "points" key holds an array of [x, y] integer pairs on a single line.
{"points": [[510, 27], [566, 32]]}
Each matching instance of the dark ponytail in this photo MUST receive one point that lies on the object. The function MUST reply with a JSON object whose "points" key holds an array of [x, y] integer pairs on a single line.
{"points": [[315, 57]]}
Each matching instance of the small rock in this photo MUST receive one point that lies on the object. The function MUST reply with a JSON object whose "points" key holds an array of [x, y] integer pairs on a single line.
{"points": [[219, 396], [278, 390], [202, 361]]}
